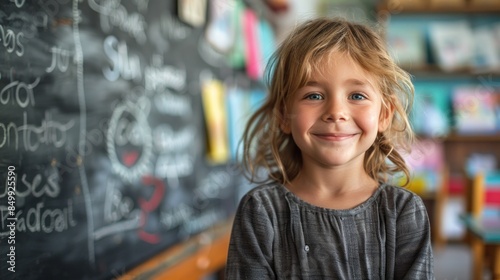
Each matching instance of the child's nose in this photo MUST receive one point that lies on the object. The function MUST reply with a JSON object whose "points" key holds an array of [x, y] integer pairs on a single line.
{"points": [[336, 111]]}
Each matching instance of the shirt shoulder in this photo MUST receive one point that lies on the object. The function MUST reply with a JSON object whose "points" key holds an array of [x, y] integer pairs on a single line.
{"points": [[400, 199], [268, 195]]}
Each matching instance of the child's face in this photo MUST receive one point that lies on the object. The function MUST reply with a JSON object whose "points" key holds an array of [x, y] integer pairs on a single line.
{"points": [[335, 118]]}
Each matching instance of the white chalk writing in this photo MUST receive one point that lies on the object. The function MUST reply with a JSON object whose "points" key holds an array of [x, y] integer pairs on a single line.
{"points": [[174, 166], [172, 218], [122, 65], [173, 28], [12, 41], [42, 219], [116, 206], [128, 125], [19, 93], [49, 133], [167, 140], [113, 14], [60, 58], [167, 76], [173, 105]]}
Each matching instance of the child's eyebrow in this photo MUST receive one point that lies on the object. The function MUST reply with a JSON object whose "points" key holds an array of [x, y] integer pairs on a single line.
{"points": [[357, 82], [352, 81], [312, 83]]}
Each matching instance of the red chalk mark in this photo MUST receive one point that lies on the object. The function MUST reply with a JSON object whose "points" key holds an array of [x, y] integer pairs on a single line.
{"points": [[130, 158], [149, 205]]}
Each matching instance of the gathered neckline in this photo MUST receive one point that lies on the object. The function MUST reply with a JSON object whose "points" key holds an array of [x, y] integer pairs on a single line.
{"points": [[339, 212]]}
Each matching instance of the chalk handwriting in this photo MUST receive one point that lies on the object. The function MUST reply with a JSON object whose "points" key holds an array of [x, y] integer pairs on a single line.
{"points": [[116, 206], [159, 78], [60, 58], [173, 28], [35, 187], [18, 3], [174, 166], [122, 65], [119, 213], [168, 140], [150, 205], [172, 104], [12, 41], [113, 14], [142, 5], [19, 93], [49, 133], [119, 227], [28, 23], [41, 218], [129, 141], [174, 217]]}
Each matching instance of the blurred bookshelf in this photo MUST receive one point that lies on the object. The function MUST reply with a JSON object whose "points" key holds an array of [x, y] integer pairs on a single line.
{"points": [[451, 48], [411, 30]]}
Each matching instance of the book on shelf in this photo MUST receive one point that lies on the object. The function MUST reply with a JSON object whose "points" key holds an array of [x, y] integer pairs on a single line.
{"points": [[475, 109], [426, 163], [480, 162], [407, 45], [214, 108], [487, 49], [220, 31], [452, 44], [241, 104], [431, 113]]}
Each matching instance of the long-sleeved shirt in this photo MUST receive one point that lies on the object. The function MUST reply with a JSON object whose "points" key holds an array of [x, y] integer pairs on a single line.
{"points": [[276, 235]]}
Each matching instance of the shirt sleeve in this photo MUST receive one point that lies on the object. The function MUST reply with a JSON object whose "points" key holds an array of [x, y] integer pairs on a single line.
{"points": [[414, 257], [250, 247]]}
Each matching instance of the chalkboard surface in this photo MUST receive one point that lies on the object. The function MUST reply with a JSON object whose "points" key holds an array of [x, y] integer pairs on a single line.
{"points": [[102, 137]]}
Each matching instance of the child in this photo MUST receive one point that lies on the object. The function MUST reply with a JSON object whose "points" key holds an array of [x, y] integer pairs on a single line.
{"points": [[327, 135]]}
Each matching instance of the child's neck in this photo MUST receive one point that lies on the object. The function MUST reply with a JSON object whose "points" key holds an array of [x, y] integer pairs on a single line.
{"points": [[333, 189]]}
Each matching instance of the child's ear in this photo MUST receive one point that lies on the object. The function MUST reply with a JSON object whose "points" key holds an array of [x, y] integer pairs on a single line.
{"points": [[385, 119]]}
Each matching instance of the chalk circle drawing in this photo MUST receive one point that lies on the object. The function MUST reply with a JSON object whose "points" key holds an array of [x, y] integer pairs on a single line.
{"points": [[129, 140]]}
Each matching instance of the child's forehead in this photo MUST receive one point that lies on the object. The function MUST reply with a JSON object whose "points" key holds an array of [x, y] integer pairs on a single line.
{"points": [[324, 64]]}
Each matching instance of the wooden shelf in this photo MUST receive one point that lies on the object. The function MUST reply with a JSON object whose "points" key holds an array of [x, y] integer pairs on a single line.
{"points": [[466, 9], [434, 72], [488, 138]]}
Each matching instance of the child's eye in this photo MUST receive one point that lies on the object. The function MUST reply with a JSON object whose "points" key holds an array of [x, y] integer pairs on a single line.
{"points": [[357, 96], [314, 96]]}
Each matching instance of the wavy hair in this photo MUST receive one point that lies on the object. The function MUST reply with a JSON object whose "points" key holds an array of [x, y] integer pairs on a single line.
{"points": [[291, 66]]}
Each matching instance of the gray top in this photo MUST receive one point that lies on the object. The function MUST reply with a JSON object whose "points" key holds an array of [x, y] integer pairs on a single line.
{"points": [[276, 235]]}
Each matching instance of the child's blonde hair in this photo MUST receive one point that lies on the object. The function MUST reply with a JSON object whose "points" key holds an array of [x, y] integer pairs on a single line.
{"points": [[266, 146]]}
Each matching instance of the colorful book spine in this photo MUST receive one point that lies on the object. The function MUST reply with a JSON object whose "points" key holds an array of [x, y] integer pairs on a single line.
{"points": [[213, 99]]}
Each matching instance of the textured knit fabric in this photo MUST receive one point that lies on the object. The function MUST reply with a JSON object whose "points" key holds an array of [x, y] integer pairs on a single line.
{"points": [[276, 235]]}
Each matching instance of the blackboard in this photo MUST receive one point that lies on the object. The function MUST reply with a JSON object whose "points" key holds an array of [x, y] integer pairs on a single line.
{"points": [[102, 136]]}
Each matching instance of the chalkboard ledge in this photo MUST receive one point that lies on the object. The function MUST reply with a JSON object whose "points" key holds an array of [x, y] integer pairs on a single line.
{"points": [[195, 258]]}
